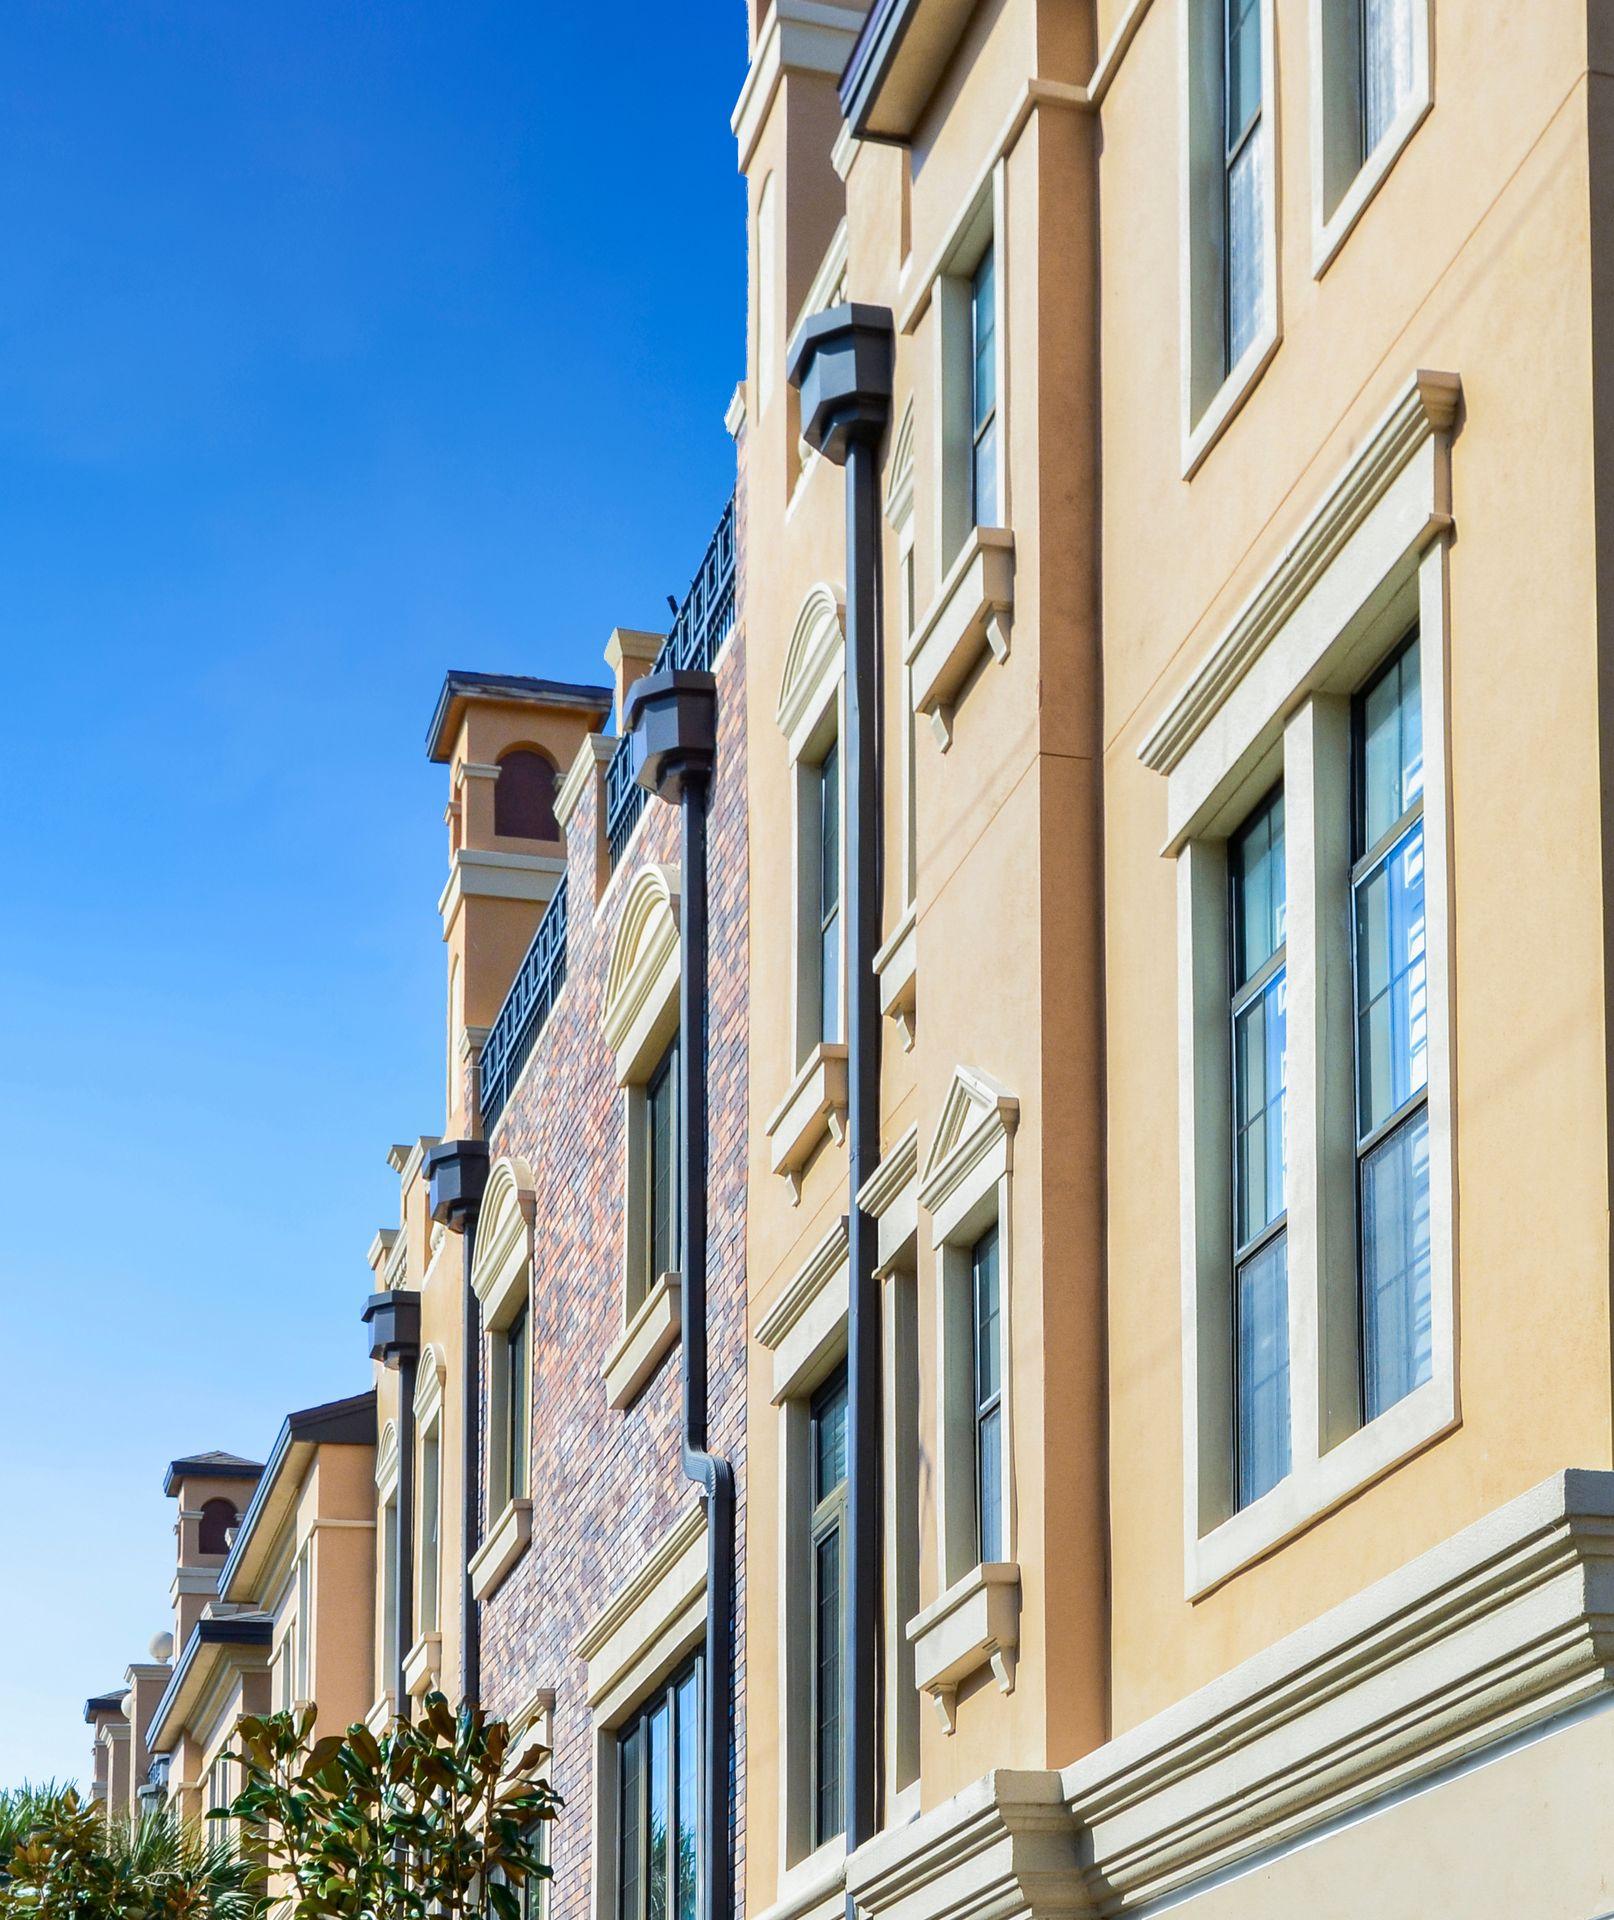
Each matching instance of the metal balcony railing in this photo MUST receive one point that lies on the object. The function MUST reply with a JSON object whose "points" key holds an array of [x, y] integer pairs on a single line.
{"points": [[698, 630], [526, 1007]]}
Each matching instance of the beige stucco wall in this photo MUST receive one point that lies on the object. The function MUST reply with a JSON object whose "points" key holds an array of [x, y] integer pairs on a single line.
{"points": [[1473, 259]]}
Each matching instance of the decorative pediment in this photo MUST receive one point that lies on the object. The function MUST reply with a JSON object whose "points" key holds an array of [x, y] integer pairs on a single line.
{"points": [[429, 1378], [644, 968], [813, 662], [971, 1145], [386, 1455], [504, 1236]]}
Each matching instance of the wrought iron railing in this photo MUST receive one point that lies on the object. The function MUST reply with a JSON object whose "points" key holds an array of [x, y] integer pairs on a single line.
{"points": [[698, 630], [526, 1007]]}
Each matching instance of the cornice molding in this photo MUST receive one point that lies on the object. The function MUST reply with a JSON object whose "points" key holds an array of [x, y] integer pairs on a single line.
{"points": [[1426, 408], [588, 763], [804, 1287], [978, 1115], [799, 36]]}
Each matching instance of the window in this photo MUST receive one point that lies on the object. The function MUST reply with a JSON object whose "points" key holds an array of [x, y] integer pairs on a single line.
{"points": [[302, 1627], [524, 796], [430, 1528], [1230, 295], [216, 1529], [1260, 1009], [530, 1887], [1392, 1033], [387, 1663], [828, 902], [660, 1148], [988, 1382], [827, 1426], [983, 394], [1370, 92], [1244, 188], [658, 1825], [516, 1408]]}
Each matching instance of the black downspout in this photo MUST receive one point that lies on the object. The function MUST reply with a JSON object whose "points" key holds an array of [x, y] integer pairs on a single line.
{"points": [[672, 721], [394, 1322], [458, 1172], [842, 362]]}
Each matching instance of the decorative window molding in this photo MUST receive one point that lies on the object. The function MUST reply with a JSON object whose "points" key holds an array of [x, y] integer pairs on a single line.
{"points": [[813, 1110], [805, 1328], [648, 1628], [1344, 178], [965, 1188], [423, 1665], [891, 1195], [386, 1458], [429, 1377], [900, 468], [815, 662], [501, 1279], [641, 984], [1368, 566], [1215, 383], [640, 1022], [507, 1540], [896, 964], [969, 618]]}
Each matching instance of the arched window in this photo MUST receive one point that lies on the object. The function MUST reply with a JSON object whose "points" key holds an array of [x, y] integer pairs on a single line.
{"points": [[218, 1517], [524, 796]]}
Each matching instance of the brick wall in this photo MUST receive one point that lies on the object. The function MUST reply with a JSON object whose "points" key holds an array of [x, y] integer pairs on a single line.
{"points": [[606, 1485]]}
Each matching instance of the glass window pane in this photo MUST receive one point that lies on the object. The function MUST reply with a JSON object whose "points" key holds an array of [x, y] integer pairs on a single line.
{"points": [[1243, 71], [1260, 897], [989, 1483], [1389, 726], [829, 1439], [661, 1153], [1246, 249], [1260, 1110], [657, 1812], [688, 1791], [1392, 1002], [1261, 1352], [829, 833], [630, 1868], [518, 1405], [827, 1686], [1386, 66], [829, 973], [984, 475], [983, 327], [1397, 1347], [988, 1359]]}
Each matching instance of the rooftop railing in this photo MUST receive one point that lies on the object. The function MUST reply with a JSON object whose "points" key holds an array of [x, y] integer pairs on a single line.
{"points": [[533, 992], [698, 630]]}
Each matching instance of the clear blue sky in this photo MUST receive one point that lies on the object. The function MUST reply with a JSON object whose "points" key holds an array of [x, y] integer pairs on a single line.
{"points": [[341, 341]]}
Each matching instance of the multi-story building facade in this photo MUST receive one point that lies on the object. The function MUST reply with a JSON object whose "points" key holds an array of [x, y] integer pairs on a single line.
{"points": [[1168, 1489], [1010, 1314]]}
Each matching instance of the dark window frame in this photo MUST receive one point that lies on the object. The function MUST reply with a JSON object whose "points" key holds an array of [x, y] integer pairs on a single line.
{"points": [[827, 1542], [643, 1894]]}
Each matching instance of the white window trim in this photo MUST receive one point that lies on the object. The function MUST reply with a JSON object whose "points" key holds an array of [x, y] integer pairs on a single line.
{"points": [[810, 715], [805, 1331], [983, 225], [1201, 240], [424, 1660], [639, 1639], [501, 1279], [1371, 560], [386, 1492], [966, 1189], [640, 1020], [1336, 208]]}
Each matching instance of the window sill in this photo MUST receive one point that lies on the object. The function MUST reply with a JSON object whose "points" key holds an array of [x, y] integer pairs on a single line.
{"points": [[815, 1886], [969, 617], [1199, 438], [975, 1624], [814, 1107], [382, 1714], [503, 1547], [1314, 1489], [1329, 236], [895, 967], [423, 1664], [643, 1343]]}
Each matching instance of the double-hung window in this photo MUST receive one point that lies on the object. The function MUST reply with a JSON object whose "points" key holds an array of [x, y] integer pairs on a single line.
{"points": [[513, 1353], [1387, 50], [1392, 1034], [984, 393], [1259, 1006], [827, 1421], [660, 1119], [987, 1373], [431, 1509], [658, 1826], [828, 903], [1244, 188]]}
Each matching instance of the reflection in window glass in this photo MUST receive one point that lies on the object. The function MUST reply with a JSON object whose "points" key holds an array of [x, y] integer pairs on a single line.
{"points": [[1244, 192], [988, 1371], [827, 1424], [829, 895], [658, 1770], [1386, 66], [984, 393]]}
